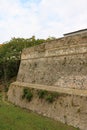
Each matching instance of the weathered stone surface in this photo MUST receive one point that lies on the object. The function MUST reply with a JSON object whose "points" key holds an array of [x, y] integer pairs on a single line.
{"points": [[70, 107], [62, 62], [57, 66]]}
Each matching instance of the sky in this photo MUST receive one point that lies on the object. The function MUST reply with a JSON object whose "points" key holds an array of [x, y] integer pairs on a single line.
{"points": [[41, 18]]}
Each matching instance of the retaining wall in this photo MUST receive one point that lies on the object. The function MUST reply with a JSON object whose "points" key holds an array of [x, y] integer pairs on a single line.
{"points": [[57, 66]]}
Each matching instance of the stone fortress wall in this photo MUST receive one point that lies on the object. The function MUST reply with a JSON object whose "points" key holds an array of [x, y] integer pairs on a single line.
{"points": [[62, 63], [56, 66]]}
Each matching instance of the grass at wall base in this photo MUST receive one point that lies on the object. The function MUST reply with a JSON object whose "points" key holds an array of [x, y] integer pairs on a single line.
{"points": [[15, 118]]}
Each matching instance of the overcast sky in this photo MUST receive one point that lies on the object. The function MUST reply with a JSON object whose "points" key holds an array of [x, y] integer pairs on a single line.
{"points": [[42, 18]]}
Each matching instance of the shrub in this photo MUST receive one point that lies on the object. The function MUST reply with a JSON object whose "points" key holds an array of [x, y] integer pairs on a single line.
{"points": [[42, 93], [27, 94], [50, 98]]}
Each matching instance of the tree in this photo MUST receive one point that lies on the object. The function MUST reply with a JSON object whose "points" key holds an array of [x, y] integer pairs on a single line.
{"points": [[10, 55]]}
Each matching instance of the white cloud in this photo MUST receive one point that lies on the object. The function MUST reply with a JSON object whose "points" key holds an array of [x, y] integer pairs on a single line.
{"points": [[41, 18], [68, 15]]}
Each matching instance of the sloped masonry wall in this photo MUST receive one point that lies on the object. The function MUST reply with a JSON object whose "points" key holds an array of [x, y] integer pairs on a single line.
{"points": [[70, 107], [57, 66], [62, 63]]}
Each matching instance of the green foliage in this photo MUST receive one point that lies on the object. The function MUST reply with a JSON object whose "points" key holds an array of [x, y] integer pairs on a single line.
{"points": [[52, 96], [27, 94], [48, 96], [10, 55], [14, 118], [42, 93]]}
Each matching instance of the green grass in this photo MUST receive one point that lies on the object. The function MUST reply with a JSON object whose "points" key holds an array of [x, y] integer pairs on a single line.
{"points": [[15, 118]]}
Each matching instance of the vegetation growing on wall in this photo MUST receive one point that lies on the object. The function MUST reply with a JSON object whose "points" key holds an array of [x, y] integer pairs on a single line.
{"points": [[42, 94], [27, 94], [50, 97], [47, 96], [15, 118]]}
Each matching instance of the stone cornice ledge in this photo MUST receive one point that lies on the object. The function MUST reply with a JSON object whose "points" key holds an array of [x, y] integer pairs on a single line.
{"points": [[77, 92]]}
